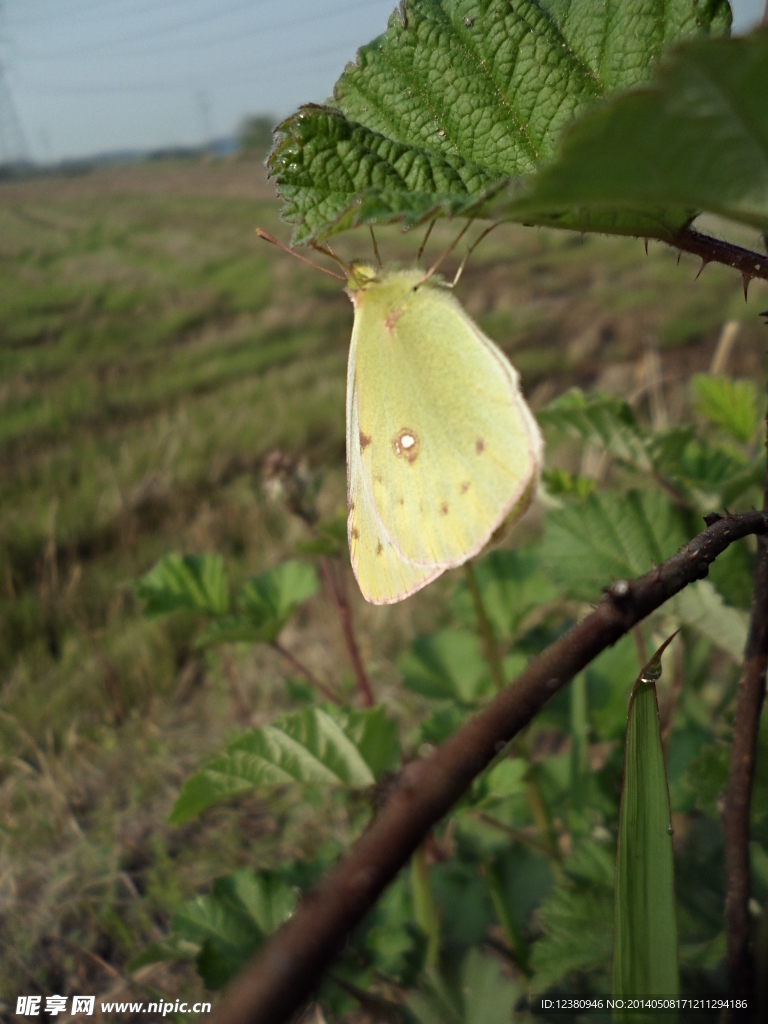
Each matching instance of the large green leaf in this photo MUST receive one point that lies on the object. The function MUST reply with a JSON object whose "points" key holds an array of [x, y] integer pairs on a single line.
{"points": [[446, 666], [702, 608], [308, 746], [483, 995], [198, 582], [696, 138], [731, 404], [610, 536], [230, 923], [458, 96], [600, 419], [645, 951]]}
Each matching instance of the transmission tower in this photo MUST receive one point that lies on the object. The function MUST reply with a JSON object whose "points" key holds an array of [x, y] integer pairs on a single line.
{"points": [[13, 143]]}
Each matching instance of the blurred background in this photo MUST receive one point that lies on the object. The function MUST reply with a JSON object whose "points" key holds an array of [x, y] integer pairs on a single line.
{"points": [[156, 359], [82, 78]]}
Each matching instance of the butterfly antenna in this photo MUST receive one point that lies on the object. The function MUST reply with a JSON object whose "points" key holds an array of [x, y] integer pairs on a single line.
{"points": [[375, 247], [323, 270], [447, 252], [426, 238], [469, 252], [328, 251]]}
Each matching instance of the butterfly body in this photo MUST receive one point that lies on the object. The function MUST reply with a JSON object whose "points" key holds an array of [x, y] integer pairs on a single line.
{"points": [[441, 446]]}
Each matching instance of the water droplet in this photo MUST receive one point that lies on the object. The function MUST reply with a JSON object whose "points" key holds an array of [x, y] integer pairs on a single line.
{"points": [[670, 830], [469, 22]]}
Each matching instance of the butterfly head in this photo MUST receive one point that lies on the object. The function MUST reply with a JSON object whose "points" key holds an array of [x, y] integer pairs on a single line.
{"points": [[361, 275]]}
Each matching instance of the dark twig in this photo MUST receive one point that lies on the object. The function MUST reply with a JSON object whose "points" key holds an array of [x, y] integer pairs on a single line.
{"points": [[749, 702], [271, 987], [714, 250], [339, 598], [309, 676]]}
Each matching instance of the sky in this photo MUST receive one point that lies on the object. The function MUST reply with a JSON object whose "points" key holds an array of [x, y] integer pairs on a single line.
{"points": [[98, 76]]}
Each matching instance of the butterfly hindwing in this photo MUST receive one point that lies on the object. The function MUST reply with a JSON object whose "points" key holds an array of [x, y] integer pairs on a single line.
{"points": [[447, 445]]}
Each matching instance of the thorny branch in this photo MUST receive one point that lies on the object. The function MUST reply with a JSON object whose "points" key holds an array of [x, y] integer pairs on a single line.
{"points": [[713, 250], [282, 975], [741, 773]]}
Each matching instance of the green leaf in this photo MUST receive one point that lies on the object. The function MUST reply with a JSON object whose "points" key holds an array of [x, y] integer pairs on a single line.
{"points": [[645, 951], [731, 404], [578, 930], [269, 599], [694, 139], [198, 582], [230, 923], [701, 471], [446, 666], [707, 776], [608, 537], [702, 608], [375, 735], [307, 747], [458, 96], [600, 419], [485, 995], [560, 481], [511, 584]]}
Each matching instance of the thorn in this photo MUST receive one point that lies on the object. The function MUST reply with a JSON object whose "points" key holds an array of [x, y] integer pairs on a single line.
{"points": [[765, 314], [679, 254], [646, 246], [704, 262], [746, 278]]}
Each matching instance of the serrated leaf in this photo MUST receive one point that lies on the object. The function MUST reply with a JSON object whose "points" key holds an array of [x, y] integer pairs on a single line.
{"points": [[307, 747], [197, 582], [446, 666], [731, 404], [702, 608], [511, 584], [608, 537], [695, 139], [645, 951], [578, 932], [485, 996], [460, 95], [600, 419], [703, 472], [230, 923], [375, 735], [270, 598]]}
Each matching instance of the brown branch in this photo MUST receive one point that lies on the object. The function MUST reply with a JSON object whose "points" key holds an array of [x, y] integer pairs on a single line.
{"points": [[339, 598], [714, 250], [741, 773], [279, 979]]}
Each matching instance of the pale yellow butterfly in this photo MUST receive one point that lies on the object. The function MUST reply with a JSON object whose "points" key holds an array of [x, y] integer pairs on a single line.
{"points": [[442, 449]]}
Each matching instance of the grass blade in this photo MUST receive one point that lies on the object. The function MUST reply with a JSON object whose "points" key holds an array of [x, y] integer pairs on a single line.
{"points": [[645, 951]]}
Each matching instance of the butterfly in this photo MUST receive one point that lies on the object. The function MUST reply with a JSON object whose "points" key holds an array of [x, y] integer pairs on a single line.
{"points": [[443, 452]]}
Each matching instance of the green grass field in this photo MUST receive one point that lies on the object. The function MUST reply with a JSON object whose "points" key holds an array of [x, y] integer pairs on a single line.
{"points": [[153, 351]]}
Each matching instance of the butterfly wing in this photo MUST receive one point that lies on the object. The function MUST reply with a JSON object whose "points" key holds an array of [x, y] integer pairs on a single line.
{"points": [[448, 447], [382, 573]]}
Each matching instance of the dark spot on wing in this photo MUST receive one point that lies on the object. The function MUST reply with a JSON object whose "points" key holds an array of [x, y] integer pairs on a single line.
{"points": [[479, 446], [364, 441], [401, 501], [464, 487], [351, 505], [406, 444], [379, 548], [444, 509], [355, 533]]}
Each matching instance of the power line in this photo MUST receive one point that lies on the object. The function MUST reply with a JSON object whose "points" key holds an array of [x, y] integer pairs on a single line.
{"points": [[246, 73], [180, 26]]}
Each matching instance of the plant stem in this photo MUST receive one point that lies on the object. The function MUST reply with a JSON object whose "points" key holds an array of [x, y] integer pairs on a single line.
{"points": [[284, 971], [492, 653], [714, 250], [749, 702], [309, 676], [339, 598]]}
